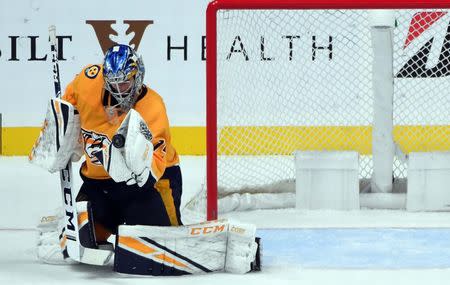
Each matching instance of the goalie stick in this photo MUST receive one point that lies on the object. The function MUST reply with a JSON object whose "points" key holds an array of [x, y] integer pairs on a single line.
{"points": [[74, 249]]}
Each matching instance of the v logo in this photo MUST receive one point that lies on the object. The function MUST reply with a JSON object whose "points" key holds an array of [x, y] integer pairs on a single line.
{"points": [[103, 30]]}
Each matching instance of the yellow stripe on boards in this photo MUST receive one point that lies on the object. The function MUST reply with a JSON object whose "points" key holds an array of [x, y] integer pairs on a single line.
{"points": [[20, 140], [251, 140], [423, 138], [285, 140], [189, 140]]}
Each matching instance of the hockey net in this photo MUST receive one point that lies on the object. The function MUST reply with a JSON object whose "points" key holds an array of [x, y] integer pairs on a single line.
{"points": [[283, 78]]}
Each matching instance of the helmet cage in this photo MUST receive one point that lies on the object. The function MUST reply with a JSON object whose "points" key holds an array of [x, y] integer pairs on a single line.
{"points": [[120, 67]]}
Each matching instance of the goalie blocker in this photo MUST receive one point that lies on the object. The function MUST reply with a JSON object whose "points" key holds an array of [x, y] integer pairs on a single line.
{"points": [[59, 141]]}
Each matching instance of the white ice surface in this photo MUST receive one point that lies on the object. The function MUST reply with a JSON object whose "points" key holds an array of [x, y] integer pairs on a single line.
{"points": [[27, 193]]}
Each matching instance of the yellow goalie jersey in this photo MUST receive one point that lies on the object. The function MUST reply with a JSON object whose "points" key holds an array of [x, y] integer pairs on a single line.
{"points": [[87, 94]]}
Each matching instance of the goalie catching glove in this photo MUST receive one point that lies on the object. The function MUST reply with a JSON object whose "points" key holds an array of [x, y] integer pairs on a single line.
{"points": [[131, 151]]}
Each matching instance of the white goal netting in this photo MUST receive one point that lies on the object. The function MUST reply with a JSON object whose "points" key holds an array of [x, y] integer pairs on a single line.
{"points": [[292, 80]]}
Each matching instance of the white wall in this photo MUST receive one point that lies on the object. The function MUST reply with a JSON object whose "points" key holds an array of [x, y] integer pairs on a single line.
{"points": [[26, 84]]}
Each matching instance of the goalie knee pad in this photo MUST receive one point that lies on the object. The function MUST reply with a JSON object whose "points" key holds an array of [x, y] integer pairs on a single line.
{"points": [[86, 231]]}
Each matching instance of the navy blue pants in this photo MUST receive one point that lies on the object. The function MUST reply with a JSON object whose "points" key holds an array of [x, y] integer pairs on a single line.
{"points": [[154, 204]]}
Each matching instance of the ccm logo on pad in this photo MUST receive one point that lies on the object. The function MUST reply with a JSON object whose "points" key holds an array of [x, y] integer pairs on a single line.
{"points": [[207, 230]]}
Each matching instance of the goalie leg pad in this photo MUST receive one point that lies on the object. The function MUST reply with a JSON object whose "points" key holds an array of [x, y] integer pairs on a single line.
{"points": [[152, 250], [242, 248], [52, 239], [86, 231], [192, 249], [49, 243], [129, 262]]}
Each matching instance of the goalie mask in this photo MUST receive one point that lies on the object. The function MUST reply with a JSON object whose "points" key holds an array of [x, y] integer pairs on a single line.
{"points": [[123, 72]]}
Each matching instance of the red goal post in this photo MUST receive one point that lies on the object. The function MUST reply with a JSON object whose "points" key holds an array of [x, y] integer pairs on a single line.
{"points": [[211, 62]]}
